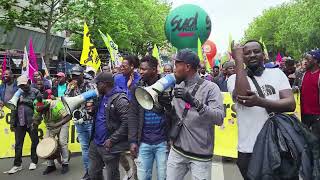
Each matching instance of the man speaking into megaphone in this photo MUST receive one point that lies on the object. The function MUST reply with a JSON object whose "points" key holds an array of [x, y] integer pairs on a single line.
{"points": [[198, 105]]}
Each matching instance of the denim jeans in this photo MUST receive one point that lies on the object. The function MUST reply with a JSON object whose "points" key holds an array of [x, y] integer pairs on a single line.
{"points": [[84, 135], [63, 136], [178, 166], [147, 155]]}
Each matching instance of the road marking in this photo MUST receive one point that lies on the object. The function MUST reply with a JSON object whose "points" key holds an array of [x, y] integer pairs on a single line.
{"points": [[217, 170]]}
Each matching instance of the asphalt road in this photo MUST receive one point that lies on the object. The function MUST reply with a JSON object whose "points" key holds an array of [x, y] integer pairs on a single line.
{"points": [[220, 171]]}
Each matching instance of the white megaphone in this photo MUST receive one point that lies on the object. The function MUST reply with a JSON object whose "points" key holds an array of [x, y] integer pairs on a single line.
{"points": [[12, 103], [148, 96], [72, 103]]}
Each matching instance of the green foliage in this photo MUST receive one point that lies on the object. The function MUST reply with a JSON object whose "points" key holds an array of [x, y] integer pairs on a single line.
{"points": [[131, 24], [291, 28], [41, 14]]}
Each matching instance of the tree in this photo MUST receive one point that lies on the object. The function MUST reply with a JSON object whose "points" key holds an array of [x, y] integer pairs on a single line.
{"points": [[131, 24], [42, 14], [291, 28]]}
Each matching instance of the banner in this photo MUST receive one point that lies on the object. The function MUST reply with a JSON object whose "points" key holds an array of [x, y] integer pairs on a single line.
{"points": [[89, 55], [33, 65], [225, 138], [25, 63], [112, 48], [8, 143], [44, 67]]}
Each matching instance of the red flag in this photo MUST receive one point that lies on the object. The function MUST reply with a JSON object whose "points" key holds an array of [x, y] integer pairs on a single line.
{"points": [[4, 65], [278, 59], [33, 65]]}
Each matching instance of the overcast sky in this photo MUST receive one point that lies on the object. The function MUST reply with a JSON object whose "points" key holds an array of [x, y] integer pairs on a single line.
{"points": [[230, 16]]}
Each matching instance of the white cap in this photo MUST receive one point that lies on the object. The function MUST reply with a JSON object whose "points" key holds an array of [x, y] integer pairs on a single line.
{"points": [[23, 79], [89, 68]]}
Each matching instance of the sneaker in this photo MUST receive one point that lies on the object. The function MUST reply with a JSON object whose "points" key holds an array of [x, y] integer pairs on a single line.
{"points": [[14, 169], [86, 176], [49, 169], [65, 168], [32, 166]]}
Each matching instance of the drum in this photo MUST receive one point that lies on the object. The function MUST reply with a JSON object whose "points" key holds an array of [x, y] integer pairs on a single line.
{"points": [[48, 149]]}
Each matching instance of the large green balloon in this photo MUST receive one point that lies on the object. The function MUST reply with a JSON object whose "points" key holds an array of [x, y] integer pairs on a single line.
{"points": [[185, 24]]}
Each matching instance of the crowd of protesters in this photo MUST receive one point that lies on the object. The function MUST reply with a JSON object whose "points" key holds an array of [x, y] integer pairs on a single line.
{"points": [[177, 134]]}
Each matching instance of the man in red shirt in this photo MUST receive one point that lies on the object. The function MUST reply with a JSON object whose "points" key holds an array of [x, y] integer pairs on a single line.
{"points": [[310, 93]]}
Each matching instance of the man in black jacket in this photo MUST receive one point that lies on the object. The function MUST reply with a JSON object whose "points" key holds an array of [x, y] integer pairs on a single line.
{"points": [[20, 124], [109, 131]]}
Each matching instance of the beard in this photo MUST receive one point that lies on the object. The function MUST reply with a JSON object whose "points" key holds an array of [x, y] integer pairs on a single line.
{"points": [[179, 80]]}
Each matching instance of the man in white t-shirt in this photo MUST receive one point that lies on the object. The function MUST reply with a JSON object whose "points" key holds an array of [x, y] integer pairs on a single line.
{"points": [[250, 108]]}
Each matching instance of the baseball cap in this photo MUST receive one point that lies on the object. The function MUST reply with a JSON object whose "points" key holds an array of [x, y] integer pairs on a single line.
{"points": [[187, 56], [228, 64], [22, 80], [61, 74], [315, 54], [89, 68], [77, 70], [87, 76], [104, 77]]}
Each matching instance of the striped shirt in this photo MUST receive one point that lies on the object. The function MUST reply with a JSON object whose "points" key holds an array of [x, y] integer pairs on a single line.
{"points": [[153, 131]]}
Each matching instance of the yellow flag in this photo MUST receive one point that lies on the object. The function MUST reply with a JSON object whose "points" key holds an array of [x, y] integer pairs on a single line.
{"points": [[200, 51], [265, 49], [112, 48], [155, 52], [89, 55]]}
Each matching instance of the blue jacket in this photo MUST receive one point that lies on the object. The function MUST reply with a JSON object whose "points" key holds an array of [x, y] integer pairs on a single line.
{"points": [[121, 81], [3, 89]]}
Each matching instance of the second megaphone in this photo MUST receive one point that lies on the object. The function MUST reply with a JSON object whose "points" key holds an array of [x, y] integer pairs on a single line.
{"points": [[72, 103], [147, 96], [12, 103]]}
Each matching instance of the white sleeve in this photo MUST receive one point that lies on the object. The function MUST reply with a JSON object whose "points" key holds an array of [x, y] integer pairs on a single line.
{"points": [[283, 81], [231, 83]]}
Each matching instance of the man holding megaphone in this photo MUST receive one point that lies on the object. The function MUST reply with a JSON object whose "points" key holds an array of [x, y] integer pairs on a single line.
{"points": [[83, 122], [20, 123], [198, 105], [148, 132]]}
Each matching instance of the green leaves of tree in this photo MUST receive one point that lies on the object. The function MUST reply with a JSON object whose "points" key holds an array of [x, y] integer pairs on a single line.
{"points": [[131, 24], [291, 28]]}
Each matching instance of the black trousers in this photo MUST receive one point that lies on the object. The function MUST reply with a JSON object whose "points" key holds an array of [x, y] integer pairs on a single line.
{"points": [[20, 133], [243, 163], [312, 122], [99, 158]]}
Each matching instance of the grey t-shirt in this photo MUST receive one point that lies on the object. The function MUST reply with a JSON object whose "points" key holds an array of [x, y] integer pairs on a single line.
{"points": [[8, 93]]}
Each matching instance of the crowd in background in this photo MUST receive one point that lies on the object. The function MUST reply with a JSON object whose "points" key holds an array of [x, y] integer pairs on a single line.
{"points": [[145, 133]]}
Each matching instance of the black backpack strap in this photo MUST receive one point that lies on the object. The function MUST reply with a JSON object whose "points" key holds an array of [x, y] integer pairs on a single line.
{"points": [[260, 93], [193, 93], [256, 84]]}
